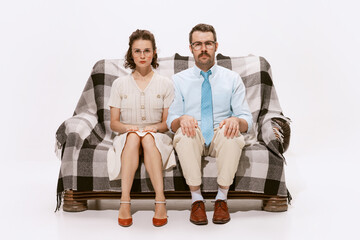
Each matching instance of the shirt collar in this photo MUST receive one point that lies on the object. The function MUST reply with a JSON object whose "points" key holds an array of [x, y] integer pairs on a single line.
{"points": [[198, 70]]}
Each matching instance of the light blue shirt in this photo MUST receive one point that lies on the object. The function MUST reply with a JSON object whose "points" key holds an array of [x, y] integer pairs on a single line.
{"points": [[228, 95]]}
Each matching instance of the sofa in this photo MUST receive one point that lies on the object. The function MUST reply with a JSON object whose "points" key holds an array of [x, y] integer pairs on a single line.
{"points": [[82, 142]]}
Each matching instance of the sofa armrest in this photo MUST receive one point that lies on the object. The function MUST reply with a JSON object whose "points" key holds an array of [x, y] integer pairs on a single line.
{"points": [[81, 124], [275, 134]]}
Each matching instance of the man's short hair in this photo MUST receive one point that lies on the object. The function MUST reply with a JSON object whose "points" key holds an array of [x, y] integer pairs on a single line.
{"points": [[201, 27]]}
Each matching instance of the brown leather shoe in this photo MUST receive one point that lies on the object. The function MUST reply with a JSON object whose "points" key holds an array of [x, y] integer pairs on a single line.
{"points": [[221, 212], [198, 214]]}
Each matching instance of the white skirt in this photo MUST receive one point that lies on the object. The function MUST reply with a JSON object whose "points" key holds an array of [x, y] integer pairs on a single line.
{"points": [[163, 143]]}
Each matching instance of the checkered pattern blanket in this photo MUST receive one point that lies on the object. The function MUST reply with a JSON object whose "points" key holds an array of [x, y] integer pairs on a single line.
{"points": [[83, 140]]}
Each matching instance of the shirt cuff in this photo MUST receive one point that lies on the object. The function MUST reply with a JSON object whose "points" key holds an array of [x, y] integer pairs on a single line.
{"points": [[249, 122]]}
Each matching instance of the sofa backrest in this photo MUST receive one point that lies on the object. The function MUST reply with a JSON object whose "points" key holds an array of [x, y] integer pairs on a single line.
{"points": [[255, 72]]}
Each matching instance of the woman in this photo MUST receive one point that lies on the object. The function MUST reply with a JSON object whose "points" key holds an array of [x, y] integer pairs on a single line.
{"points": [[139, 105]]}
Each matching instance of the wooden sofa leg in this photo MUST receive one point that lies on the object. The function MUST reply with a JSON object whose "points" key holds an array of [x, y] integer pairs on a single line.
{"points": [[71, 205], [275, 204]]}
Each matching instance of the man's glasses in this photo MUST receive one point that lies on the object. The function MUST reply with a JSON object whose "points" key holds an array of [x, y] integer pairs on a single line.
{"points": [[209, 45], [147, 52]]}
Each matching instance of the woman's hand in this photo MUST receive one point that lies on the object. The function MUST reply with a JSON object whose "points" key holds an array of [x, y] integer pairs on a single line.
{"points": [[131, 128], [151, 128]]}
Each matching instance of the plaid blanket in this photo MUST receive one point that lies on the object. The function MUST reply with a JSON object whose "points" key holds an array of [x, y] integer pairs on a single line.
{"points": [[83, 140]]}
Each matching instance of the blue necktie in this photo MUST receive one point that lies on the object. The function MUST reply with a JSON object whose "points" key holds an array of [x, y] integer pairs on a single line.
{"points": [[207, 122]]}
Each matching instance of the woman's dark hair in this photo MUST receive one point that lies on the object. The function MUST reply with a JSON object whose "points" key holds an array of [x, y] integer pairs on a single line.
{"points": [[143, 35]]}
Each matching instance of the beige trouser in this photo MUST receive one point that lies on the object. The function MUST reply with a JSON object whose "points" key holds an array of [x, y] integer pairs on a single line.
{"points": [[226, 151]]}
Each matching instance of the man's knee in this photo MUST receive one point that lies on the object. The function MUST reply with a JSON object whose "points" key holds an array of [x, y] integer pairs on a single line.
{"points": [[183, 138], [237, 141]]}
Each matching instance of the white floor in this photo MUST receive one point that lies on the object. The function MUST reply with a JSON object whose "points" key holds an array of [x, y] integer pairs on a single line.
{"points": [[325, 206]]}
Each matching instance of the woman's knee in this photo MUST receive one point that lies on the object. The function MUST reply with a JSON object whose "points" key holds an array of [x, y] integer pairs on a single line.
{"points": [[132, 141], [148, 142]]}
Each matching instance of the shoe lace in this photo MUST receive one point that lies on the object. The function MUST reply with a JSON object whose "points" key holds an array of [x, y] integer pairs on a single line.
{"points": [[197, 204], [220, 203]]}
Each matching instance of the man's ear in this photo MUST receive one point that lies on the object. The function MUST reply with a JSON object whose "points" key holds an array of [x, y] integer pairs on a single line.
{"points": [[216, 46], [191, 49]]}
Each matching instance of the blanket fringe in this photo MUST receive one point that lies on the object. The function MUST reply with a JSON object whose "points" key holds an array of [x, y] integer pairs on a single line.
{"points": [[59, 197], [289, 197], [58, 148]]}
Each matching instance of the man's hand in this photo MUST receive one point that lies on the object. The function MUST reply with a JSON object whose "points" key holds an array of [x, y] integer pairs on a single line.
{"points": [[232, 127], [188, 125]]}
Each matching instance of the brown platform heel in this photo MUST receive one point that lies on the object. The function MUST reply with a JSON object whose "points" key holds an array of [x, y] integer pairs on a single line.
{"points": [[125, 222], [159, 222]]}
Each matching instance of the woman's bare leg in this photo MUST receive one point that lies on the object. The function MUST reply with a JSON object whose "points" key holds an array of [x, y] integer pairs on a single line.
{"points": [[153, 165], [129, 165]]}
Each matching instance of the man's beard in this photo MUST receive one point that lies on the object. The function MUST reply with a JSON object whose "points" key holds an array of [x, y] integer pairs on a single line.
{"points": [[209, 63]]}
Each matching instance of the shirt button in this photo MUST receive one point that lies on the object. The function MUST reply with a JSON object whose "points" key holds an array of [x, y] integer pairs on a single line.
{"points": [[143, 118], [125, 96], [142, 106], [158, 96], [142, 93]]}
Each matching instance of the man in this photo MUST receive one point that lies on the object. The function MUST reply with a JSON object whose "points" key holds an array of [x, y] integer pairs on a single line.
{"points": [[208, 114]]}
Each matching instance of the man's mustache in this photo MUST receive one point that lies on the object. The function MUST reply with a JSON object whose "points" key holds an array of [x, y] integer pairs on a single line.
{"points": [[204, 53]]}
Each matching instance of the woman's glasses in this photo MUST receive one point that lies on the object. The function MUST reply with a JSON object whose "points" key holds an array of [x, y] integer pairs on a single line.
{"points": [[147, 52]]}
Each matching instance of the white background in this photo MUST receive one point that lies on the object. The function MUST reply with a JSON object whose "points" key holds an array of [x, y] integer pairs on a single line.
{"points": [[49, 47]]}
